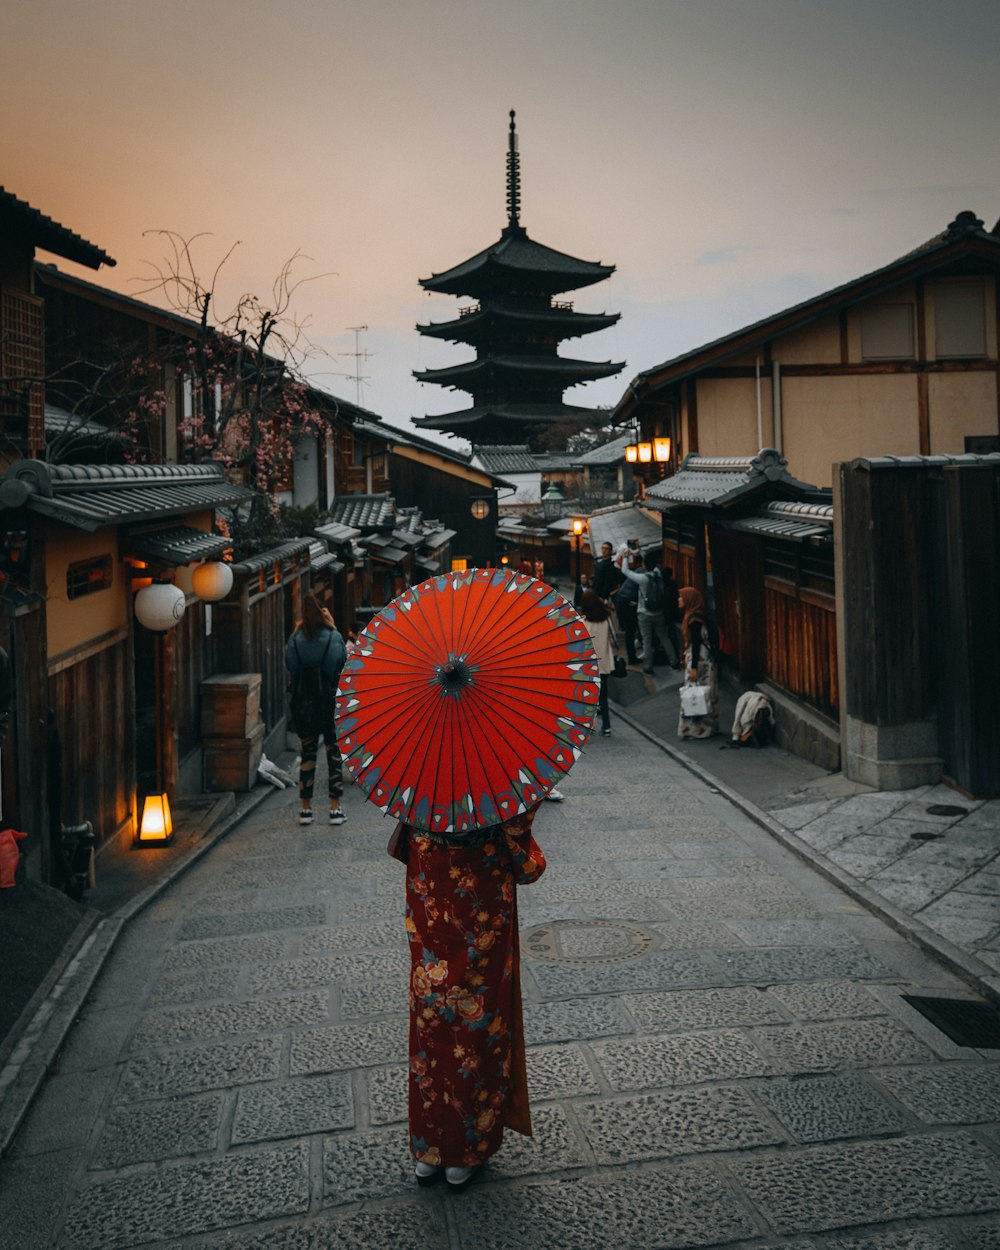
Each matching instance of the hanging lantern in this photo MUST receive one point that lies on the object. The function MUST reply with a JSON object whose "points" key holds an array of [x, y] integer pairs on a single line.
{"points": [[159, 607], [480, 509], [631, 453], [645, 453], [212, 580], [156, 827], [661, 449]]}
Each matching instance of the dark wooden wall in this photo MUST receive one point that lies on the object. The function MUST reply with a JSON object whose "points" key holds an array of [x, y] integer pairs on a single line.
{"points": [[738, 577], [95, 716], [801, 653]]}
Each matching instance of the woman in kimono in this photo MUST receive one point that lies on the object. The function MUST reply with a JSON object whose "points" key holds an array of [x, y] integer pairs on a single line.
{"points": [[699, 664], [468, 1078]]}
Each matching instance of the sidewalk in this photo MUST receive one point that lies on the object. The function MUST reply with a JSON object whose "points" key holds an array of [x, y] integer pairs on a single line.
{"points": [[926, 859], [719, 1052]]}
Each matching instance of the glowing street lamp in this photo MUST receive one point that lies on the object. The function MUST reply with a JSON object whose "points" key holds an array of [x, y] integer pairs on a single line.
{"points": [[661, 449], [645, 453]]}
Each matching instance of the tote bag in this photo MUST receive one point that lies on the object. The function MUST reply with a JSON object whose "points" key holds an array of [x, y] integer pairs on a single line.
{"points": [[694, 701]]}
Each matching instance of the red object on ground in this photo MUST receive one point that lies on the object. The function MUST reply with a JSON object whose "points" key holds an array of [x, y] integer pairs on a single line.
{"points": [[9, 856], [466, 700]]}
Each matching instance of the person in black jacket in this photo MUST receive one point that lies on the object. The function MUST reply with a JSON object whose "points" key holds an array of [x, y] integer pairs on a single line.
{"points": [[606, 576]]}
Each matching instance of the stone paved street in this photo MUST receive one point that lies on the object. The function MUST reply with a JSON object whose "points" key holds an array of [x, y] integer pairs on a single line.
{"points": [[719, 1053]]}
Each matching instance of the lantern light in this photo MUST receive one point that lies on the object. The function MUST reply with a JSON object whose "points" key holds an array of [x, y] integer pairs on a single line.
{"points": [[645, 453], [578, 526], [160, 606], [156, 827], [631, 453], [661, 449], [480, 509], [212, 580]]}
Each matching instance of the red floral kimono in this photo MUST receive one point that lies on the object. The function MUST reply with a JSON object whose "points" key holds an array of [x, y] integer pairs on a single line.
{"points": [[468, 1079]]}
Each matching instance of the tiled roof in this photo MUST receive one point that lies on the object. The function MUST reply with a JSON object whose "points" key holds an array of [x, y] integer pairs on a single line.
{"points": [[607, 453], [47, 234], [505, 458], [516, 253], [364, 512], [617, 525], [92, 496], [722, 481], [180, 544], [797, 522], [284, 554], [518, 414], [336, 533]]}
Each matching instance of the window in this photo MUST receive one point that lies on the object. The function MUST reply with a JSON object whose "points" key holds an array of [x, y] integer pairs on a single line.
{"points": [[459, 565], [357, 452], [887, 332], [86, 577], [960, 318]]}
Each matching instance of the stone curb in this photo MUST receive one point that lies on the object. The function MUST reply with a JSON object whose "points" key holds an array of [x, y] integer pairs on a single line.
{"points": [[32, 1057], [965, 965]]}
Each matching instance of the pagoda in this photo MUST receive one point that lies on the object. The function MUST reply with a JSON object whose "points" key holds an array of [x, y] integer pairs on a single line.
{"points": [[517, 378]]}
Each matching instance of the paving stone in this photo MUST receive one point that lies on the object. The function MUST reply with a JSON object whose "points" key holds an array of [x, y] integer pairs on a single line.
{"points": [[558, 1072], [827, 1000], [352, 938], [193, 984], [982, 1236], [816, 1109], [223, 901], [225, 952], [655, 970], [656, 1209], [183, 1024], [969, 934], [61, 1116], [347, 1046], [574, 1020], [362, 910], [186, 1070], [375, 997], [968, 1093], [554, 1147], [849, 1043], [253, 921], [359, 1167], [637, 909], [791, 932], [702, 1009], [181, 1200], [329, 970], [32, 1201], [765, 966], [681, 1059], [906, 1239], [837, 1186], [388, 1090], [314, 1104], [969, 906], [736, 906], [159, 1130], [404, 1224], [695, 935], [660, 1126], [801, 814]]}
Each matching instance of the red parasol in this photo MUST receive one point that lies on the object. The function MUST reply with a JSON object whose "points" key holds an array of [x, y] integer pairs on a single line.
{"points": [[466, 699]]}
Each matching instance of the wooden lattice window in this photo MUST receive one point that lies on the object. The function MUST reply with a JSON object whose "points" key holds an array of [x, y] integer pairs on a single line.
{"points": [[22, 364], [87, 577]]}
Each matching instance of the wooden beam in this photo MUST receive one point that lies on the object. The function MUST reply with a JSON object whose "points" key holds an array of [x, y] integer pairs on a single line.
{"points": [[844, 354], [924, 413]]}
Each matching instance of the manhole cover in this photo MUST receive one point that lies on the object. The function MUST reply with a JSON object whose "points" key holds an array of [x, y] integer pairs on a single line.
{"points": [[946, 809], [586, 941]]}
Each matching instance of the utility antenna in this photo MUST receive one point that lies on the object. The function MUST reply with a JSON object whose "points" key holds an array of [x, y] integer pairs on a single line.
{"points": [[359, 354]]}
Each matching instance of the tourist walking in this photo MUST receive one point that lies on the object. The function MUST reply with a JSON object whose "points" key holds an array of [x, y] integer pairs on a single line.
{"points": [[699, 665], [598, 621], [652, 622], [314, 657]]}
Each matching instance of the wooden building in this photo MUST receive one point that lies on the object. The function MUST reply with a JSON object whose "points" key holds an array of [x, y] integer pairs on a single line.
{"points": [[901, 361], [517, 377]]}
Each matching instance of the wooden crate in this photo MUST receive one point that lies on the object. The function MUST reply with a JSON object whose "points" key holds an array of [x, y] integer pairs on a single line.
{"points": [[230, 705], [231, 763]]}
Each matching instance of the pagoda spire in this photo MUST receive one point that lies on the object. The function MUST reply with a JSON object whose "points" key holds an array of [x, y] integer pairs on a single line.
{"points": [[513, 176]]}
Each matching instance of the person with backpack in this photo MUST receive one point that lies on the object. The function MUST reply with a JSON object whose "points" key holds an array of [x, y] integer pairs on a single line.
{"points": [[314, 657], [651, 611]]}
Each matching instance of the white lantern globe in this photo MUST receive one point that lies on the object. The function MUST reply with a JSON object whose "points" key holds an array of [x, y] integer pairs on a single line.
{"points": [[160, 606], [212, 580]]}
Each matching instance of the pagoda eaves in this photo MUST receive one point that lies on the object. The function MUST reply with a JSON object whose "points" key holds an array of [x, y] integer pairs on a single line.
{"points": [[490, 323]]}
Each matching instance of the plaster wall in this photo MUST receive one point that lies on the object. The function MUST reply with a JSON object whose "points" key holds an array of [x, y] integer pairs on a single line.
{"points": [[840, 418], [72, 623], [727, 416], [961, 404], [816, 344], [904, 294]]}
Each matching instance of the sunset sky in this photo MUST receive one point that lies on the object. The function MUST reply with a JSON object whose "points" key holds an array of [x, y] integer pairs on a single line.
{"points": [[730, 157]]}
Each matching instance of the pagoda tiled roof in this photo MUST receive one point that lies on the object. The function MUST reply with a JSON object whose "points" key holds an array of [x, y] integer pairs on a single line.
{"points": [[506, 458], [513, 257], [561, 367], [482, 324], [507, 414]]}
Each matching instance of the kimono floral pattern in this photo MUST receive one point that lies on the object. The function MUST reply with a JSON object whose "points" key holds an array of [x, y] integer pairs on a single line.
{"points": [[467, 1071]]}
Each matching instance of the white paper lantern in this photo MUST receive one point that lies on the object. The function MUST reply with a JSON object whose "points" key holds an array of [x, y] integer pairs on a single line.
{"points": [[160, 606], [212, 580]]}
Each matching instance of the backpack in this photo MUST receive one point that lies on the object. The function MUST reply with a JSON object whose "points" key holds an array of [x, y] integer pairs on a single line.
{"points": [[656, 595], [312, 695]]}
